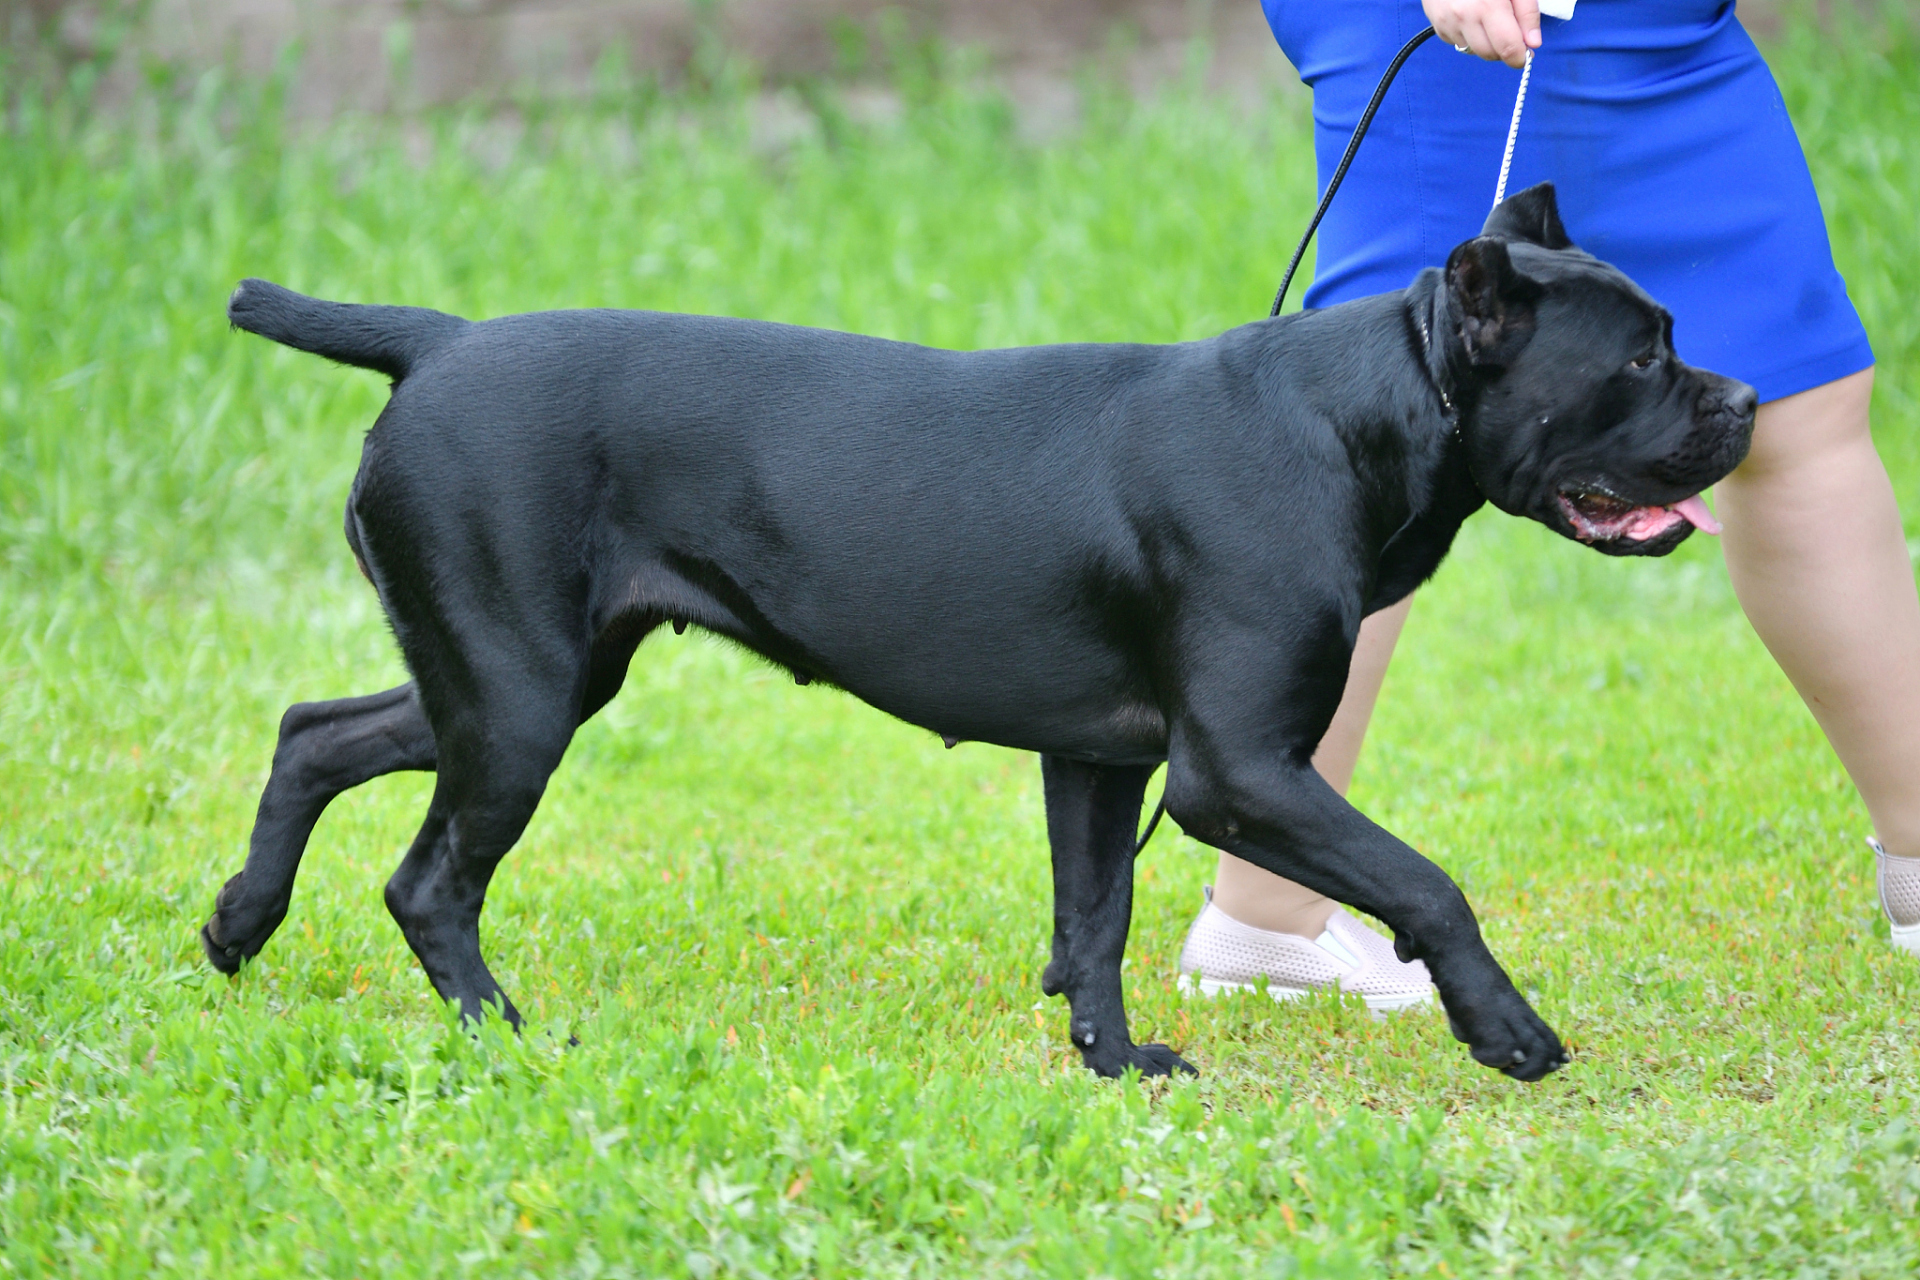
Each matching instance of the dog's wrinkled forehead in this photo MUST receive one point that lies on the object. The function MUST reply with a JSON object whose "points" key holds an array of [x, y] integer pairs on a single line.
{"points": [[1579, 276], [1540, 249]]}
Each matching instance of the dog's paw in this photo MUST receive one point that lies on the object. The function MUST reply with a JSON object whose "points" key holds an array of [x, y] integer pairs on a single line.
{"points": [[234, 934], [1511, 1039], [1148, 1059]]}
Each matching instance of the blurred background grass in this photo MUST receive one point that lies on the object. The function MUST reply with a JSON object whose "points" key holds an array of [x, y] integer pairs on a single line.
{"points": [[800, 943]]}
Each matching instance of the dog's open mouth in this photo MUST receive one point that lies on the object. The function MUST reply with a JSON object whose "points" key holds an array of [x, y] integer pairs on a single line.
{"points": [[1597, 516]]}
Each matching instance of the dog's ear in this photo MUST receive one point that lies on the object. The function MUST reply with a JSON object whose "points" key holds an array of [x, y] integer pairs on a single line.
{"points": [[1493, 304], [1532, 215]]}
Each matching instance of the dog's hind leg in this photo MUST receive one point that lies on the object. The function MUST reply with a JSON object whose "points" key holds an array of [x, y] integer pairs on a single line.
{"points": [[1092, 813], [325, 748], [499, 740]]}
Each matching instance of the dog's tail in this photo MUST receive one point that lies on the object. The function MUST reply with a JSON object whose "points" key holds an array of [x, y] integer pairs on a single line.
{"points": [[390, 339]]}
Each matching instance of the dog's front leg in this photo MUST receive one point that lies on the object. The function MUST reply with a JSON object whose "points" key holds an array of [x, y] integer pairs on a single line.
{"points": [[1091, 814], [1278, 813]]}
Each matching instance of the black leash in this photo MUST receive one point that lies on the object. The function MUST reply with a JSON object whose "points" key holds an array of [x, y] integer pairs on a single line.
{"points": [[1353, 149], [1159, 812], [1300, 251]]}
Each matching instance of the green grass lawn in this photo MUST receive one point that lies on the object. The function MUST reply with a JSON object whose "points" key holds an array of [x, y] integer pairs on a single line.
{"points": [[800, 944]]}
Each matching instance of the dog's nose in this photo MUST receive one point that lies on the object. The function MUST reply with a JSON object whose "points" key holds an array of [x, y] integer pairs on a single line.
{"points": [[1730, 402]]}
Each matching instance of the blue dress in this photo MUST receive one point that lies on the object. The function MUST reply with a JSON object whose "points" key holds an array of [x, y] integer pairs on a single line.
{"points": [[1662, 129]]}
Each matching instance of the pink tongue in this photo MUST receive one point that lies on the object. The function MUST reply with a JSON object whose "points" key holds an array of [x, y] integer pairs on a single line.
{"points": [[1696, 512]]}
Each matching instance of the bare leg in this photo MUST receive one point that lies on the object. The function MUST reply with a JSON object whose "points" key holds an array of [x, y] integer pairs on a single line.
{"points": [[1817, 555], [1262, 899]]}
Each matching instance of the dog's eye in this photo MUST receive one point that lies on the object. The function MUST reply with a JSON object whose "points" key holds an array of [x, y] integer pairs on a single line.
{"points": [[1642, 362]]}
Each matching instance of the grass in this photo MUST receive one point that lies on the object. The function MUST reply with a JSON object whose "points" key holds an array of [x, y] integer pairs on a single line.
{"points": [[799, 943]]}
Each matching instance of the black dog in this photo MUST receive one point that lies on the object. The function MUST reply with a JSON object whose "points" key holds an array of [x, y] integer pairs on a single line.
{"points": [[1111, 555]]}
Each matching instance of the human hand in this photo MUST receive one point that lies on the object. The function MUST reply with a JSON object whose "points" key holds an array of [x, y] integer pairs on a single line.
{"points": [[1497, 30]]}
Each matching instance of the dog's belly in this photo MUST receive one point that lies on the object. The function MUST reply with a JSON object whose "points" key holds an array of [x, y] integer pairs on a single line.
{"points": [[1032, 707], [946, 648]]}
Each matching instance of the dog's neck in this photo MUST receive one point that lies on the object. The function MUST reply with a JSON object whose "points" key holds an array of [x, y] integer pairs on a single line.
{"points": [[1440, 488], [1407, 446]]}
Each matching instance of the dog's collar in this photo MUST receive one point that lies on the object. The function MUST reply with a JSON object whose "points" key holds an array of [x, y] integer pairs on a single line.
{"points": [[1426, 361]]}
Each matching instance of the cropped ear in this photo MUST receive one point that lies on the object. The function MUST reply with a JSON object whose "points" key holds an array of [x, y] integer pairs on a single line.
{"points": [[1493, 303], [1532, 215]]}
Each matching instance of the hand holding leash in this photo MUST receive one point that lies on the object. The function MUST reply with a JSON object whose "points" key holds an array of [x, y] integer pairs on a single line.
{"points": [[1497, 30], [1529, 42]]}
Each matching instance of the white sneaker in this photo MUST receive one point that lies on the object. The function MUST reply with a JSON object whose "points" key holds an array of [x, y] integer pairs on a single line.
{"points": [[1222, 954], [1900, 896]]}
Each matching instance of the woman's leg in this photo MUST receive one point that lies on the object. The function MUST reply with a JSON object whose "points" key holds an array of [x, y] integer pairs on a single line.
{"points": [[1262, 899], [1819, 560]]}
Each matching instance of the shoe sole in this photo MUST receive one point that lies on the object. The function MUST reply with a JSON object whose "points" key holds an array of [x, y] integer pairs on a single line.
{"points": [[1907, 937], [1379, 1006]]}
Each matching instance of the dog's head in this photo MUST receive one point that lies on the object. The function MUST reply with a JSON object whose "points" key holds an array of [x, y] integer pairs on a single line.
{"points": [[1574, 409]]}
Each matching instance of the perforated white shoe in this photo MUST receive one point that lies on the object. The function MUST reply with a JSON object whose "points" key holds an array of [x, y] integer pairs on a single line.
{"points": [[1900, 896], [1222, 954]]}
